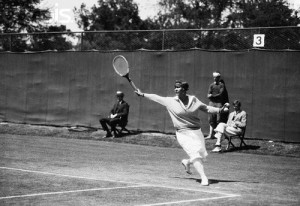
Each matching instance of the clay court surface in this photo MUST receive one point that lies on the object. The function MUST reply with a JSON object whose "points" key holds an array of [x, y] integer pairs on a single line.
{"points": [[41, 170]]}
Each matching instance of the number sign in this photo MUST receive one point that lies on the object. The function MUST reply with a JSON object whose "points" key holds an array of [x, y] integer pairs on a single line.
{"points": [[258, 40]]}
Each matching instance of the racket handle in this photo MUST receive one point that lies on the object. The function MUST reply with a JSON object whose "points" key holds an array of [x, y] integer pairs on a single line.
{"points": [[131, 82], [133, 85]]}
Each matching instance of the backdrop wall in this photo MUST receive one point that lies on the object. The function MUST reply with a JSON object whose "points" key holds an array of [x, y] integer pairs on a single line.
{"points": [[76, 88]]}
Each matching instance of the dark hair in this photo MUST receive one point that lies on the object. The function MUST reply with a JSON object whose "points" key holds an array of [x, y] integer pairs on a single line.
{"points": [[184, 85], [236, 103]]}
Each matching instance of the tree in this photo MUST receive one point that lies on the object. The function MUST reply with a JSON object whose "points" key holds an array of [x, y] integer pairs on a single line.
{"points": [[225, 13], [267, 13], [261, 13], [194, 14], [205, 14], [39, 41], [112, 15], [22, 16], [51, 41]]}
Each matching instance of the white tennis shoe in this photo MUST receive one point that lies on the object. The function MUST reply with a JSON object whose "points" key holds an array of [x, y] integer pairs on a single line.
{"points": [[217, 149], [204, 182], [186, 164]]}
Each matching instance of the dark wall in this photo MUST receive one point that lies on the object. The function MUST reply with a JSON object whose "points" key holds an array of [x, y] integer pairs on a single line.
{"points": [[75, 88]]}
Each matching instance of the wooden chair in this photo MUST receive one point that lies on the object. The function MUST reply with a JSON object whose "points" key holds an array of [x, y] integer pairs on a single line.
{"points": [[120, 128], [241, 136]]}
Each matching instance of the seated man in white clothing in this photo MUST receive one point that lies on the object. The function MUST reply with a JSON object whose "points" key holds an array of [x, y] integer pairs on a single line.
{"points": [[236, 122]]}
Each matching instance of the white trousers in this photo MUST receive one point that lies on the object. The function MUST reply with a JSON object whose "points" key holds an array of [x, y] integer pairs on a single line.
{"points": [[228, 130]]}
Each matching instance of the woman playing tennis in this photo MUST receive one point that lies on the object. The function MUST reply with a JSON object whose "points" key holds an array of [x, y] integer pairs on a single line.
{"points": [[183, 109]]}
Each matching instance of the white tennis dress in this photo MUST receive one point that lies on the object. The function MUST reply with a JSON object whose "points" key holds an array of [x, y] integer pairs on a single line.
{"points": [[186, 122]]}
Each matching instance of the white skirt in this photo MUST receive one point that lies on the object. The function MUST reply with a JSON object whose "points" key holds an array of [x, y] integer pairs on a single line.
{"points": [[193, 143]]}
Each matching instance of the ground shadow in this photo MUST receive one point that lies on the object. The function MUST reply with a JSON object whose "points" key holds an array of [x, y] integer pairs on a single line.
{"points": [[212, 181], [247, 147], [82, 129], [130, 132], [216, 181]]}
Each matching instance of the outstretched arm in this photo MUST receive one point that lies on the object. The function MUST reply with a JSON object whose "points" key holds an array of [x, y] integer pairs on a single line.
{"points": [[209, 109], [212, 110], [153, 97]]}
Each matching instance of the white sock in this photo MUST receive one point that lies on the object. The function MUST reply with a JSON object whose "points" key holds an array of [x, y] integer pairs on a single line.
{"points": [[199, 168]]}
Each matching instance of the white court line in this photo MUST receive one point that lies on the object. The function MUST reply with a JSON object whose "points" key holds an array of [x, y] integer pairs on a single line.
{"points": [[194, 190], [67, 192], [62, 175], [187, 201], [98, 179], [226, 195]]}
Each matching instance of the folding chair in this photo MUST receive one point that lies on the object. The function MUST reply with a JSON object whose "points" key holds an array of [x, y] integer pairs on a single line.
{"points": [[240, 136], [121, 129]]}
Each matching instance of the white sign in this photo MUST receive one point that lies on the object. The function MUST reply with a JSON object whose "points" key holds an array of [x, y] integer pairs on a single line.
{"points": [[258, 40]]}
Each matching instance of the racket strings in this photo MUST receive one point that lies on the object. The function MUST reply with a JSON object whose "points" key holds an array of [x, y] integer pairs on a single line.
{"points": [[121, 66]]}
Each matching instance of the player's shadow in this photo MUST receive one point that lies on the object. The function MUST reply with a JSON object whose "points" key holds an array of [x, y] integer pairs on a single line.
{"points": [[213, 181]]}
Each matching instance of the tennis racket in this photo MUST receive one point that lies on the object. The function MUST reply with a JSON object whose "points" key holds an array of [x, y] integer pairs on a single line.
{"points": [[121, 67]]}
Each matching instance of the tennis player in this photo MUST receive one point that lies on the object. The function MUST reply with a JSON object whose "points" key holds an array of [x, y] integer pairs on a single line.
{"points": [[183, 109]]}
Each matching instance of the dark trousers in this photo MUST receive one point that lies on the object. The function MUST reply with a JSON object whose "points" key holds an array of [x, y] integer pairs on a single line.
{"points": [[214, 119], [112, 122]]}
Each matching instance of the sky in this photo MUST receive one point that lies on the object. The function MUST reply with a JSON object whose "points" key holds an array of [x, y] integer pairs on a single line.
{"points": [[62, 10]]}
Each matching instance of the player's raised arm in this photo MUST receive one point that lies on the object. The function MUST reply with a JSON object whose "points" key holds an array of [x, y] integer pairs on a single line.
{"points": [[154, 97]]}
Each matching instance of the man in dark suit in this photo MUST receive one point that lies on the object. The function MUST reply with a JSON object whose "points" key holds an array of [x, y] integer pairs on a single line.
{"points": [[118, 115]]}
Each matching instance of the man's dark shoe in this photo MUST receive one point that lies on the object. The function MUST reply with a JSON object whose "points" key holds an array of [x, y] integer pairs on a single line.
{"points": [[107, 135], [114, 136]]}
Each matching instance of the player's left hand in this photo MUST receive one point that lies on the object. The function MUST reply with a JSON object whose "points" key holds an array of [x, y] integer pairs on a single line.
{"points": [[138, 92], [224, 109]]}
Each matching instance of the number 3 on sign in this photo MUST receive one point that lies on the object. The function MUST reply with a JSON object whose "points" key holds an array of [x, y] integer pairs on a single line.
{"points": [[258, 40]]}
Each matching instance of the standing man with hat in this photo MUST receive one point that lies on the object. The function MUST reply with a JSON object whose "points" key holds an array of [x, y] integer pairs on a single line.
{"points": [[216, 95], [118, 115]]}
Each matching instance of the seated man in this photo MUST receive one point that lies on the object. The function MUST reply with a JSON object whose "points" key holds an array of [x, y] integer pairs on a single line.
{"points": [[236, 122], [118, 115]]}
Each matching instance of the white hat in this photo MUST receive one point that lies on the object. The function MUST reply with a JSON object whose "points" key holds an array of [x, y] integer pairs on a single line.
{"points": [[216, 74], [119, 93]]}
